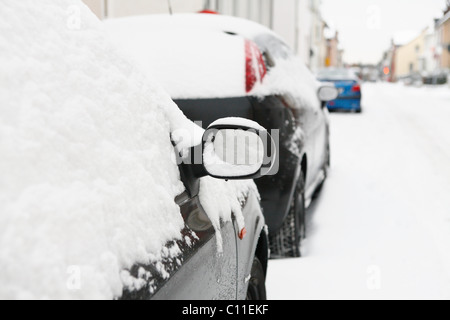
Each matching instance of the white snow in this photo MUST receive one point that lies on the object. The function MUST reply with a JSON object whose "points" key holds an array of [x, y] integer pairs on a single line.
{"points": [[233, 121], [222, 198], [290, 76], [88, 179], [381, 227], [174, 54]]}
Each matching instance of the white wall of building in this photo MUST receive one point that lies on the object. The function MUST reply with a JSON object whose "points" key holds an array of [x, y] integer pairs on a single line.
{"points": [[318, 42], [305, 23], [285, 17], [430, 63], [120, 8], [256, 10]]}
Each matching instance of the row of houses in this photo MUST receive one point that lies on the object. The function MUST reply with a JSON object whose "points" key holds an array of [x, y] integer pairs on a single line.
{"points": [[298, 22], [427, 55]]}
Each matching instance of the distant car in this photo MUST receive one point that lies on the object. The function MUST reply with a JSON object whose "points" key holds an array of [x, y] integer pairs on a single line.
{"points": [[216, 66], [413, 79], [436, 78], [349, 88], [96, 202]]}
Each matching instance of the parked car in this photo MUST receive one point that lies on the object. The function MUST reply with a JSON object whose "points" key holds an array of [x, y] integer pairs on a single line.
{"points": [[98, 197], [435, 78], [349, 88], [216, 66], [413, 79]]}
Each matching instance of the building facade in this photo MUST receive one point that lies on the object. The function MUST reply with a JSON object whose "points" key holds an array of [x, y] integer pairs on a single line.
{"points": [[318, 48], [334, 53], [409, 57], [428, 53], [443, 30]]}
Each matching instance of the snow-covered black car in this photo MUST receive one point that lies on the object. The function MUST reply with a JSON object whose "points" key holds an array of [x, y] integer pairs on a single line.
{"points": [[99, 197], [216, 66]]}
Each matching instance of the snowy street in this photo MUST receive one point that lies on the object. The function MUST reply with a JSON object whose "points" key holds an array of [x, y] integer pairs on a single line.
{"points": [[381, 226]]}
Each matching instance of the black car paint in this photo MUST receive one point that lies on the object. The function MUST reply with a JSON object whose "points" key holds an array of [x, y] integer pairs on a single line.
{"points": [[306, 151]]}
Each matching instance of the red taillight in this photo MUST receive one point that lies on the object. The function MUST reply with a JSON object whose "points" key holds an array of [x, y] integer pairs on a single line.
{"points": [[209, 12], [356, 88], [255, 68], [242, 234]]}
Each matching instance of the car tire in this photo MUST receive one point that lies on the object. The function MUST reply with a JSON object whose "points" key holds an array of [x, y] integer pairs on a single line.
{"points": [[287, 242], [257, 284]]}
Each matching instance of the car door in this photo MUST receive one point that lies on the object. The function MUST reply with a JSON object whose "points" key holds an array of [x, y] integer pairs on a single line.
{"points": [[204, 273], [307, 117], [197, 271]]}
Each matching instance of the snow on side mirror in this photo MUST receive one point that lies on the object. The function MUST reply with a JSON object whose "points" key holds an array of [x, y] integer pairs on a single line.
{"points": [[328, 93], [236, 149]]}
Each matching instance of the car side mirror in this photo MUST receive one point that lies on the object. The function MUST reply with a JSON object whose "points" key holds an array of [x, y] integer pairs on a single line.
{"points": [[238, 149], [328, 93]]}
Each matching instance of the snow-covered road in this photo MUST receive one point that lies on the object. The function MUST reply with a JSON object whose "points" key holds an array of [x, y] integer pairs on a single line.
{"points": [[381, 226]]}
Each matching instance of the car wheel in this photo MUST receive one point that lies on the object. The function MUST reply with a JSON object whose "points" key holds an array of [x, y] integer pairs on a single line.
{"points": [[257, 284], [287, 242]]}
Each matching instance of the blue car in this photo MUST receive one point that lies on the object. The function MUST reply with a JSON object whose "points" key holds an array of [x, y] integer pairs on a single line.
{"points": [[349, 88]]}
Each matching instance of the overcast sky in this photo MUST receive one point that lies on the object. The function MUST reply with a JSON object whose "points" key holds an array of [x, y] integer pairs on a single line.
{"points": [[366, 26]]}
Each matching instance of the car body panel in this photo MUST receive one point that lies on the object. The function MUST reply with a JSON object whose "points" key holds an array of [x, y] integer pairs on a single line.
{"points": [[348, 99], [200, 272], [352, 104], [248, 246]]}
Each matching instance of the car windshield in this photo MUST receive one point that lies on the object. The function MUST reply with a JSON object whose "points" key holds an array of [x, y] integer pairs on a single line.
{"points": [[336, 74]]}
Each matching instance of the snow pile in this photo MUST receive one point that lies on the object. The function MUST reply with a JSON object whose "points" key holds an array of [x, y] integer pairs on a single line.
{"points": [[88, 180], [290, 76], [223, 199]]}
